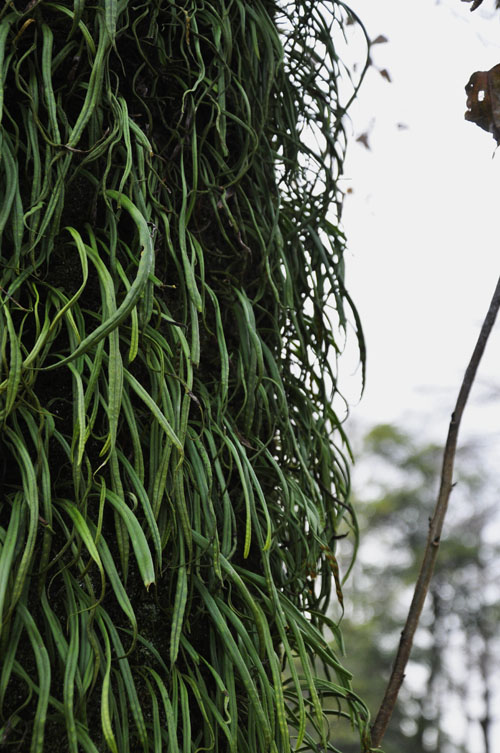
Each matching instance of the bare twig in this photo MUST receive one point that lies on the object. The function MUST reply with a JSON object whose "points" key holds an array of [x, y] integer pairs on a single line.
{"points": [[435, 528]]}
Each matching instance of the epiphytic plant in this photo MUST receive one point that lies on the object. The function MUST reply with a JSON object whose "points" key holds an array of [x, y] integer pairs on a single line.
{"points": [[172, 297]]}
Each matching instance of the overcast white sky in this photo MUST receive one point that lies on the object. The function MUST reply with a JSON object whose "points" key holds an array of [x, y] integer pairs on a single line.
{"points": [[422, 224], [422, 218]]}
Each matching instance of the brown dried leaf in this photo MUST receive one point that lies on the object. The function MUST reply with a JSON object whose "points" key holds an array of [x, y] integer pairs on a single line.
{"points": [[385, 74], [381, 39], [363, 139], [475, 3], [483, 100]]}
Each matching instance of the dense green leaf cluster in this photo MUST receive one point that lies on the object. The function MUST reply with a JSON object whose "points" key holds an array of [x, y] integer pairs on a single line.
{"points": [[171, 300]]}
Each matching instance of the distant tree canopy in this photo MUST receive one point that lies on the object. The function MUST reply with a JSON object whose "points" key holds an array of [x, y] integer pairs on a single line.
{"points": [[172, 305], [449, 696]]}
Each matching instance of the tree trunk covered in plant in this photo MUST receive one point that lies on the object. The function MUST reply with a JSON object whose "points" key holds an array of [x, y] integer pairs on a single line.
{"points": [[172, 305]]}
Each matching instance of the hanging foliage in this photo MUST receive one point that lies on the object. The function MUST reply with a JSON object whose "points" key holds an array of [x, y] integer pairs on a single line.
{"points": [[172, 306]]}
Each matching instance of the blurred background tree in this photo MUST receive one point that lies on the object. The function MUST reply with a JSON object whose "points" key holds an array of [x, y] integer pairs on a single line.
{"points": [[447, 704]]}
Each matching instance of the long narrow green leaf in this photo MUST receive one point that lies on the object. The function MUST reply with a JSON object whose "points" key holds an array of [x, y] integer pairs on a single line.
{"points": [[180, 601], [70, 669], [31, 500], [83, 531], [137, 537], [107, 727], [9, 545], [44, 675], [239, 662], [135, 290], [127, 677]]}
